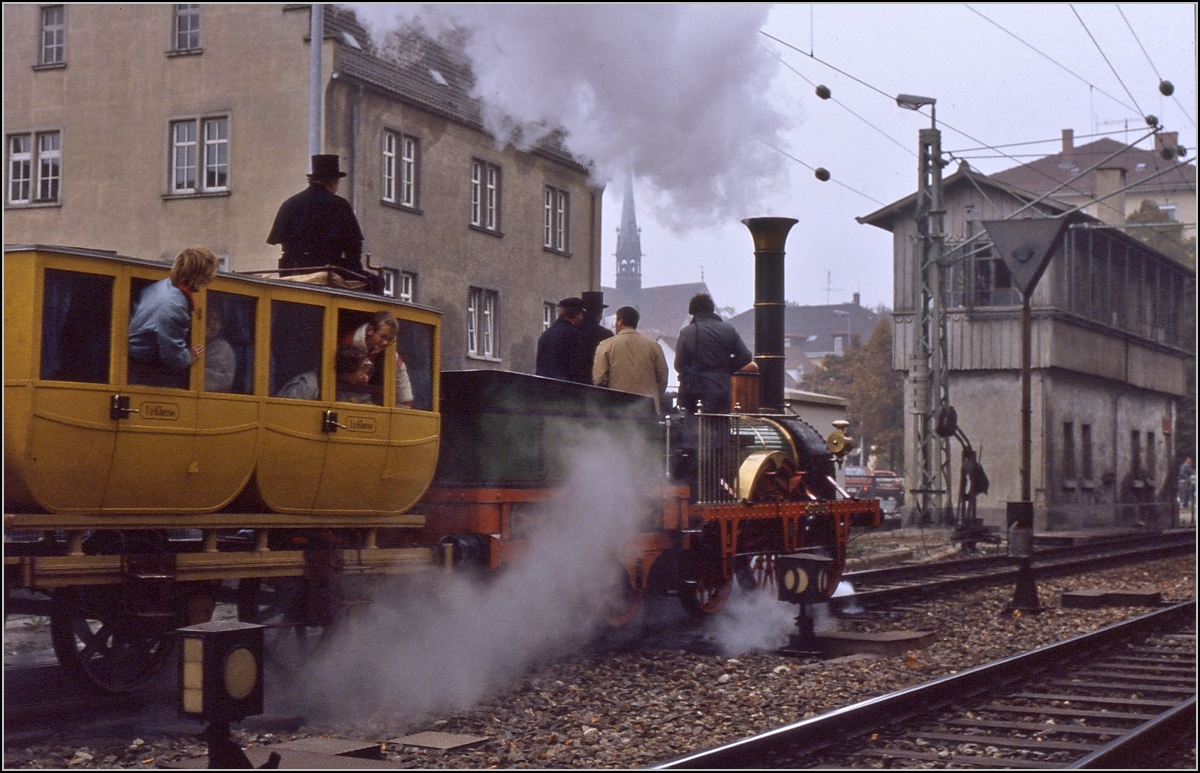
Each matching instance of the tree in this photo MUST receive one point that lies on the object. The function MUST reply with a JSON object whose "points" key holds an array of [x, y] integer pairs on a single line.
{"points": [[874, 392]]}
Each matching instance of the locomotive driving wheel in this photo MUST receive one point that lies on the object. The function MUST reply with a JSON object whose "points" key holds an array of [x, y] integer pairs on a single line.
{"points": [[770, 476], [103, 647], [626, 601], [757, 573], [279, 603]]}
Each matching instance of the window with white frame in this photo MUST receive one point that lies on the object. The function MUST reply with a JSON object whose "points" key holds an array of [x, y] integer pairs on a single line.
{"points": [[400, 169], [482, 323], [41, 151], [406, 289], [53, 49], [556, 212], [200, 155], [485, 195], [549, 311], [187, 27]]}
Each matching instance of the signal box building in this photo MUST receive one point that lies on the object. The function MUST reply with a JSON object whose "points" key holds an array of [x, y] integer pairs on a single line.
{"points": [[1110, 342], [144, 129]]}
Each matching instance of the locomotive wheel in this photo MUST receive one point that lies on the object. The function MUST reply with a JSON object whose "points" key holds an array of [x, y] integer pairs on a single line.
{"points": [[757, 573], [705, 596], [279, 604], [626, 602], [102, 647]]}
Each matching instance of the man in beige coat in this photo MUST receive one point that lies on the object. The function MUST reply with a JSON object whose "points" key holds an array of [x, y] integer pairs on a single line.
{"points": [[629, 361]]}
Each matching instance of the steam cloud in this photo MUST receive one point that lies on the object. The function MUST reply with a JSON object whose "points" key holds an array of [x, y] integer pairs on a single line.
{"points": [[444, 642], [673, 92]]}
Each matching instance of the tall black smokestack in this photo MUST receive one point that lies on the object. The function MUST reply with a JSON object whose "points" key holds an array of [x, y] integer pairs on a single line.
{"points": [[770, 234]]}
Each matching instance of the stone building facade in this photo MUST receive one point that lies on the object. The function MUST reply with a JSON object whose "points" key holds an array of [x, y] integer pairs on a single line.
{"points": [[147, 128], [1110, 341]]}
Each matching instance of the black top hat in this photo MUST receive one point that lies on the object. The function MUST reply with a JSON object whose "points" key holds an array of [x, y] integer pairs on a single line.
{"points": [[571, 305], [325, 168], [594, 301]]}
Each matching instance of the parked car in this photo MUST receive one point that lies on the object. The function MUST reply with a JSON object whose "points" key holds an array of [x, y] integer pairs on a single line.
{"points": [[889, 489], [859, 482]]}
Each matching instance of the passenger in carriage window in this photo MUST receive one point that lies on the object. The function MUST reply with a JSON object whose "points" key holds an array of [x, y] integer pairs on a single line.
{"points": [[376, 335], [161, 325], [353, 368], [220, 362]]}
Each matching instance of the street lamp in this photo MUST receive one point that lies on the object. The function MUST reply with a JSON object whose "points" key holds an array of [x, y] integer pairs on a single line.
{"points": [[913, 102]]}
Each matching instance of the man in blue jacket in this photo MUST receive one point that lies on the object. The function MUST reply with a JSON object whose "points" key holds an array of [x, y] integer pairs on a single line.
{"points": [[562, 350]]}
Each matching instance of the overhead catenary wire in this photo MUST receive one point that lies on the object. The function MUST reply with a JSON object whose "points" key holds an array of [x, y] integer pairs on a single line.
{"points": [[813, 168], [1107, 61], [1053, 60], [1157, 74]]}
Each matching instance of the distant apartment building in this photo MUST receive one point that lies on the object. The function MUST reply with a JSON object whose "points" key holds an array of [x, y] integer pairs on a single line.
{"points": [[147, 128]]}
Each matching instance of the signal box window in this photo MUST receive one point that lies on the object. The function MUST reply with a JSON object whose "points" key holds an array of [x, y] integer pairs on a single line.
{"points": [[76, 326], [229, 343], [296, 333]]}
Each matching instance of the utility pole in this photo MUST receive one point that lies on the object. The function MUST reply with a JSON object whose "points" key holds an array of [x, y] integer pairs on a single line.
{"points": [[929, 367]]}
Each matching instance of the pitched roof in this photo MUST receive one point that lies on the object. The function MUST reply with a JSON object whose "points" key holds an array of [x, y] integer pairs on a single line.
{"points": [[663, 309], [419, 71], [1146, 172]]}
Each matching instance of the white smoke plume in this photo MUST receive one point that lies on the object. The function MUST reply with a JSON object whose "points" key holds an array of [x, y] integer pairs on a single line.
{"points": [[445, 641], [674, 92]]}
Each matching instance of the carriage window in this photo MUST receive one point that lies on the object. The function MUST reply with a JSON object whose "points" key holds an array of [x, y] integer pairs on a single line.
{"points": [[229, 343], [414, 344], [76, 326], [296, 330]]}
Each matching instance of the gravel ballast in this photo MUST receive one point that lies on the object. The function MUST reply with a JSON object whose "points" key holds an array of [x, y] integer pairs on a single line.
{"points": [[605, 707]]}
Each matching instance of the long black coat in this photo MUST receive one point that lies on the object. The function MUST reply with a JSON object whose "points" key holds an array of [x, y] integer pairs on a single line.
{"points": [[708, 353], [562, 353], [317, 228]]}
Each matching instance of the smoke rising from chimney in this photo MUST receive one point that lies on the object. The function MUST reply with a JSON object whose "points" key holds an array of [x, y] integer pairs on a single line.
{"points": [[673, 92]]}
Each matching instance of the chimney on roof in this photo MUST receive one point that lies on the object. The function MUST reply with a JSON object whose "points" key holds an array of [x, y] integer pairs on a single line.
{"points": [[1167, 139], [1111, 205], [856, 299], [1068, 141]]}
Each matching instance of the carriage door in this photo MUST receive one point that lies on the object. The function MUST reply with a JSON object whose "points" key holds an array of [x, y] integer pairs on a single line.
{"points": [[70, 436], [356, 477], [156, 461], [295, 433]]}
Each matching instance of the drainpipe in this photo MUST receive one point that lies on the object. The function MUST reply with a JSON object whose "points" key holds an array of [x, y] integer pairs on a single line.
{"points": [[316, 38]]}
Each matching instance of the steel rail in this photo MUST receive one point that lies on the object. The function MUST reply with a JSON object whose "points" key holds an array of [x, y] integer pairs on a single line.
{"points": [[811, 735], [993, 570]]}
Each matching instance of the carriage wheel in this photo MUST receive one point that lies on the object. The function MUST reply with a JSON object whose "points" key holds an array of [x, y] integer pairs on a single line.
{"points": [[102, 647], [279, 604], [704, 597], [757, 573], [626, 603]]}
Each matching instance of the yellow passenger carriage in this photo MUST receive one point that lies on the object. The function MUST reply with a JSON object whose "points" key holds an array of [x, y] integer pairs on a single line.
{"points": [[132, 503]]}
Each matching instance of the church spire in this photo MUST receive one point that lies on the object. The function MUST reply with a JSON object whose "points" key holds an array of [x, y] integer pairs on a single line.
{"points": [[629, 249]]}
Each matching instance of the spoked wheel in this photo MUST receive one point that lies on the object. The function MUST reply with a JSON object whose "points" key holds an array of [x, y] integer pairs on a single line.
{"points": [[705, 596], [757, 573], [279, 603], [102, 647], [626, 602]]}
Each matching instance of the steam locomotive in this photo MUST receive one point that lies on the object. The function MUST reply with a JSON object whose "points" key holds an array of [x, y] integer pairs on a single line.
{"points": [[136, 508]]}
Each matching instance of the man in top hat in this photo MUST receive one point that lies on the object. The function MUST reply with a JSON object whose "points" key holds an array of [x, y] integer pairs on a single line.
{"points": [[591, 329], [561, 351], [316, 226]]}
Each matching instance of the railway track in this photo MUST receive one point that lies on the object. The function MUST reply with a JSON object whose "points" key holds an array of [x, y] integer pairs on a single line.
{"points": [[1113, 698], [873, 587]]}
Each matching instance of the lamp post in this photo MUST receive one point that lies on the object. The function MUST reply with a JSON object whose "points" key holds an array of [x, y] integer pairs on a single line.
{"points": [[929, 379]]}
